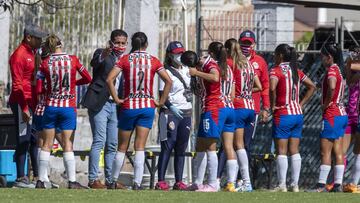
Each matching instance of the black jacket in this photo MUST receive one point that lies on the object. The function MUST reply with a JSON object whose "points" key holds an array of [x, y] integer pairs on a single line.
{"points": [[98, 93]]}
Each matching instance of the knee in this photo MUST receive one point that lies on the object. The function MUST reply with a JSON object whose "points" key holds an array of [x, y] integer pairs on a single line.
{"points": [[293, 150]]}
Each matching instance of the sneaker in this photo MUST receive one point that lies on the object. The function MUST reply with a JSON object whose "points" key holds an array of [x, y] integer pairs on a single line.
{"points": [[162, 185], [279, 188], [137, 187], [294, 188], [40, 185], [53, 185], [116, 186], [230, 187], [246, 187], [319, 187], [207, 188], [193, 187], [180, 186], [337, 188], [352, 188], [96, 184], [76, 185], [23, 182]]}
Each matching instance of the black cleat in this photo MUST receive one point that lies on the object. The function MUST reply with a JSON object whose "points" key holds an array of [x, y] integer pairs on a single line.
{"points": [[76, 185], [137, 187], [337, 188], [40, 185]]}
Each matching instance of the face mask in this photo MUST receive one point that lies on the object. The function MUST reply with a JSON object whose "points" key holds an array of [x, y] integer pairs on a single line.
{"points": [[246, 49], [177, 59], [118, 50]]}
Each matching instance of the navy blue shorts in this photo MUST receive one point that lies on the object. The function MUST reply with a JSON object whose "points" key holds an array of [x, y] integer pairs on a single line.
{"points": [[63, 118], [244, 118], [288, 126], [128, 119], [214, 123], [334, 128]]}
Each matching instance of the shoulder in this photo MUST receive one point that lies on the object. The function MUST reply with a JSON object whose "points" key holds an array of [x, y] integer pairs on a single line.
{"points": [[275, 72], [258, 62]]}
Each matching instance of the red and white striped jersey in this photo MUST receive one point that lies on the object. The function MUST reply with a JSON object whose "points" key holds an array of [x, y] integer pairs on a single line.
{"points": [[40, 106], [287, 93], [336, 107], [59, 71], [211, 94], [139, 69], [244, 83], [227, 85]]}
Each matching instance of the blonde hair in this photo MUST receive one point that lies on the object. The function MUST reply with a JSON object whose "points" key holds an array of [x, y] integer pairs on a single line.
{"points": [[52, 42], [234, 51]]}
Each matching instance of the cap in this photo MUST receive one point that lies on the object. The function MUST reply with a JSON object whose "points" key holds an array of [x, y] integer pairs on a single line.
{"points": [[175, 47], [34, 30], [247, 35]]}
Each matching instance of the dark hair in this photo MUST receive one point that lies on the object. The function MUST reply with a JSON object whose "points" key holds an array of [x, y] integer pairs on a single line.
{"points": [[190, 59], [219, 53], [233, 50], [335, 52], [288, 54], [138, 40], [116, 33]]}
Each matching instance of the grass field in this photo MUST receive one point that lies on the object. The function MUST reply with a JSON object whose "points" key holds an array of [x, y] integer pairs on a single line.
{"points": [[67, 196]]}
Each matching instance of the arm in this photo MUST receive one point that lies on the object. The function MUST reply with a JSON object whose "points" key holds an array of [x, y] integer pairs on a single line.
{"points": [[310, 86], [213, 76], [264, 79], [168, 104], [273, 85], [85, 77], [110, 82], [355, 66], [330, 93], [232, 93], [167, 80], [17, 82], [257, 84]]}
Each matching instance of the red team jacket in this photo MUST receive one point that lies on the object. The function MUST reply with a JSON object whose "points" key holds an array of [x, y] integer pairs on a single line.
{"points": [[22, 64], [261, 70]]}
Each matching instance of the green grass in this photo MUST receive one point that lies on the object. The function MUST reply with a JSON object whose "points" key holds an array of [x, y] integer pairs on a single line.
{"points": [[67, 196]]}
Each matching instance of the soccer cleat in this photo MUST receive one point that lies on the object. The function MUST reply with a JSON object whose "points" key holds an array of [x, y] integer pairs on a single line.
{"points": [[40, 185], [320, 187], [193, 187], [115, 186], [75, 185], [230, 187], [137, 187], [245, 187], [207, 188], [351, 188], [294, 188], [329, 187], [162, 185], [337, 188], [280, 188], [23, 182], [180, 186]]}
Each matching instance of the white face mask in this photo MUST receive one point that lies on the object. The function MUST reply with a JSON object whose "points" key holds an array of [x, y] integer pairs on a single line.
{"points": [[177, 59]]}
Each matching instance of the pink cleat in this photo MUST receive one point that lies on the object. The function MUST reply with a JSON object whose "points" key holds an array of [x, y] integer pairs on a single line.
{"points": [[207, 188], [180, 186], [162, 185]]}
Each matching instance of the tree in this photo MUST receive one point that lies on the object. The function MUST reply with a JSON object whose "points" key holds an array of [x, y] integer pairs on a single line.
{"points": [[51, 6]]}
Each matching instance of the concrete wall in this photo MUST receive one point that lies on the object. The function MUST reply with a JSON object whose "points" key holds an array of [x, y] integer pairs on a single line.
{"points": [[4, 44]]}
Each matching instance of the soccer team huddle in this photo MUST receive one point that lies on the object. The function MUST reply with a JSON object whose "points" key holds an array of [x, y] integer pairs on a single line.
{"points": [[231, 82]]}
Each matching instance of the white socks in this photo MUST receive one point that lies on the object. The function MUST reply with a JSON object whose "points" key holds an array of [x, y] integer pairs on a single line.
{"points": [[282, 167], [339, 174], [212, 161], [69, 163], [200, 162], [139, 161], [324, 172], [232, 170], [356, 170], [244, 165], [295, 168], [117, 165], [43, 158]]}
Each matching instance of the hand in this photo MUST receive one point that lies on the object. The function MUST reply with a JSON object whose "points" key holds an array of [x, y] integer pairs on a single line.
{"points": [[192, 71], [158, 104], [264, 115], [26, 116], [177, 112], [119, 101]]}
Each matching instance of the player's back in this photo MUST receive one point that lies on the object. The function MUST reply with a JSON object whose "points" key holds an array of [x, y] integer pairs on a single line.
{"points": [[244, 83]]}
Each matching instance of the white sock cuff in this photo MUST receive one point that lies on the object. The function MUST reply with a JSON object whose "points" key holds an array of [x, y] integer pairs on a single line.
{"points": [[295, 157], [44, 155], [241, 151], [339, 166], [325, 167], [282, 157], [69, 156], [231, 161], [211, 153]]}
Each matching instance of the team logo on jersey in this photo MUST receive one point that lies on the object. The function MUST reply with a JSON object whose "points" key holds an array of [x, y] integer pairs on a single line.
{"points": [[172, 125], [284, 71], [256, 65]]}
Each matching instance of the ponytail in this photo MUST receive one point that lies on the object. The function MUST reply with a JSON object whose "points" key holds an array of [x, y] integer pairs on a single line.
{"points": [[234, 51], [293, 65], [138, 40], [218, 51]]}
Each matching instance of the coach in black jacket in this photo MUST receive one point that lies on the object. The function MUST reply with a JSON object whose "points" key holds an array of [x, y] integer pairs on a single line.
{"points": [[102, 108]]}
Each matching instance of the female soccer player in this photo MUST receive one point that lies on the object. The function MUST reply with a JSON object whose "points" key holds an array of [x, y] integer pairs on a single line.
{"points": [[246, 82], [138, 107], [59, 71], [216, 118], [285, 79], [334, 118]]}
